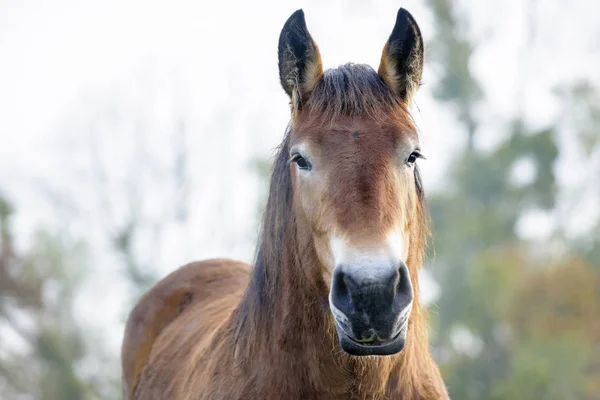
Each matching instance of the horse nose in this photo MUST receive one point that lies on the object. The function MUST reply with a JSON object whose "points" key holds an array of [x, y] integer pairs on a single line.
{"points": [[372, 299], [353, 283]]}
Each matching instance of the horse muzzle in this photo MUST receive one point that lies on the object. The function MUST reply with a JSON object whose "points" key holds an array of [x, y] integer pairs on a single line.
{"points": [[371, 306]]}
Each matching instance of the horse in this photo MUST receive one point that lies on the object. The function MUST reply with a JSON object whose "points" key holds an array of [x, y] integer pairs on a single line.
{"points": [[330, 309]]}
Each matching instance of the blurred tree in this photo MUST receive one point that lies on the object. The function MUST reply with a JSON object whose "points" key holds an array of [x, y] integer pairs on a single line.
{"points": [[555, 335], [509, 325], [581, 117], [451, 52], [44, 348], [263, 168]]}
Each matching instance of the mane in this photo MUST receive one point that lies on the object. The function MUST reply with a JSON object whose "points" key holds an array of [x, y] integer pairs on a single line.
{"points": [[259, 302]]}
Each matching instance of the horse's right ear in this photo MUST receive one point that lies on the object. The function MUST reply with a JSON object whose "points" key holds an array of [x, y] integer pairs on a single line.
{"points": [[300, 67]]}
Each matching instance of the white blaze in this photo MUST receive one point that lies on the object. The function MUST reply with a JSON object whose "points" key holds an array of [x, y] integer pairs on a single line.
{"points": [[367, 260]]}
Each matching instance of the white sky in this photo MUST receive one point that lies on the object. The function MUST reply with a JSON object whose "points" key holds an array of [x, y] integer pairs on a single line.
{"points": [[86, 79]]}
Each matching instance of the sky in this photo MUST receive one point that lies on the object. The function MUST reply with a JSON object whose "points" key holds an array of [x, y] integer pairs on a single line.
{"points": [[156, 109]]}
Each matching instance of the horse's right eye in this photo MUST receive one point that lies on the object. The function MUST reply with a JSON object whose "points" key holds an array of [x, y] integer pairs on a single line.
{"points": [[301, 162], [413, 157]]}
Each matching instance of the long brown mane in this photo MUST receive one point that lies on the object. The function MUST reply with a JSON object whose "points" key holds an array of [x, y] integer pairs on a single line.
{"points": [[218, 329]]}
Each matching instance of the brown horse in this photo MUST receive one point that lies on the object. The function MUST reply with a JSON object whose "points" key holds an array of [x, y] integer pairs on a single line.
{"points": [[331, 308]]}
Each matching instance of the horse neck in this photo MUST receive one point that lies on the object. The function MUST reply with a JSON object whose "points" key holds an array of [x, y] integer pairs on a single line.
{"points": [[299, 329]]}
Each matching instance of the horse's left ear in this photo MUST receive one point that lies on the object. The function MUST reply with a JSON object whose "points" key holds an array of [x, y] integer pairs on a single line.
{"points": [[300, 67], [402, 59]]}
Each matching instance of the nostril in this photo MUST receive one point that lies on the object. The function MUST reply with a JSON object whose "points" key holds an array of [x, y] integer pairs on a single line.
{"points": [[396, 280], [340, 285], [403, 285], [390, 279]]}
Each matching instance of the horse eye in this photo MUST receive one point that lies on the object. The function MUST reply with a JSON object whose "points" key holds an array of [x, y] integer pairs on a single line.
{"points": [[413, 157], [300, 161]]}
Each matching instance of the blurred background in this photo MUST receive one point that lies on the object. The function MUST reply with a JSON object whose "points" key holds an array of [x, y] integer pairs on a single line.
{"points": [[136, 136]]}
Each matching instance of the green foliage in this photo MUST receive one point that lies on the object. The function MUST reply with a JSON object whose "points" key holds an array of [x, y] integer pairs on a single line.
{"points": [[450, 52], [46, 345], [140, 277], [551, 369], [583, 102], [528, 315]]}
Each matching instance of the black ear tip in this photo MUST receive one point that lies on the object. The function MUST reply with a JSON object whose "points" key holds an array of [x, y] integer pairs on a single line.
{"points": [[403, 14], [296, 18], [298, 14], [405, 17], [295, 27], [404, 20]]}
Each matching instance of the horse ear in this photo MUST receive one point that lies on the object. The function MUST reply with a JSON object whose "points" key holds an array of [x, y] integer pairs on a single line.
{"points": [[300, 66], [402, 59]]}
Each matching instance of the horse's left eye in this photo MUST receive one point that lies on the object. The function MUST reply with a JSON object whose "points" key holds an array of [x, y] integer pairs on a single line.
{"points": [[413, 157], [300, 161]]}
